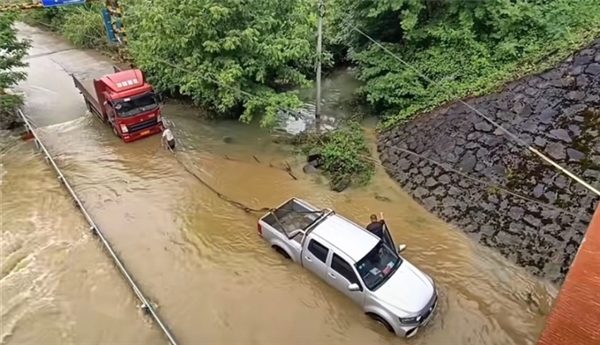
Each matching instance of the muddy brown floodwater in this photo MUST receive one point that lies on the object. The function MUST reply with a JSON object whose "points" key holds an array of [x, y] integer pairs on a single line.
{"points": [[198, 258]]}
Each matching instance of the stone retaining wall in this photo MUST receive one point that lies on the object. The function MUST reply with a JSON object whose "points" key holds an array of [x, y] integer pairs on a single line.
{"points": [[558, 113]]}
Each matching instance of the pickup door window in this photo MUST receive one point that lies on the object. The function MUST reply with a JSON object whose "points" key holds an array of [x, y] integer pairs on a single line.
{"points": [[344, 269], [314, 258], [340, 275], [318, 250]]}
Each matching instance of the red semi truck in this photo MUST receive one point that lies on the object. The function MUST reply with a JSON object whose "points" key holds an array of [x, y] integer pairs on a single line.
{"points": [[125, 101]]}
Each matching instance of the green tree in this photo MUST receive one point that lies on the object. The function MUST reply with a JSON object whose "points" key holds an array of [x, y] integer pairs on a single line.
{"points": [[466, 47], [263, 47], [12, 52]]}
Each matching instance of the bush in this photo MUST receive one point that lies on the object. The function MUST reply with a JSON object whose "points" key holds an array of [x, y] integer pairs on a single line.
{"points": [[345, 153], [81, 25], [12, 53]]}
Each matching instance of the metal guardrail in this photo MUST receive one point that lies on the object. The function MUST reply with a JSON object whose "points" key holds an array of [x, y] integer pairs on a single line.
{"points": [[146, 306]]}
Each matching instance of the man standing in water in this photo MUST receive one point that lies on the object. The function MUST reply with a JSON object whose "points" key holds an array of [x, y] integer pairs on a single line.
{"points": [[168, 139], [376, 226]]}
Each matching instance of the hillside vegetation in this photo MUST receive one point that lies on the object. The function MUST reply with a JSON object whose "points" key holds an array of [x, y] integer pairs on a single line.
{"points": [[207, 49]]}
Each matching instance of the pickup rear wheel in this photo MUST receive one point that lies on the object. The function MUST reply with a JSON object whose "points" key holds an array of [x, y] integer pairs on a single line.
{"points": [[281, 251], [381, 321]]}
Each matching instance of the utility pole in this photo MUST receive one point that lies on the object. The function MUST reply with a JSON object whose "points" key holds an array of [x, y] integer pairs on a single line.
{"points": [[321, 9]]}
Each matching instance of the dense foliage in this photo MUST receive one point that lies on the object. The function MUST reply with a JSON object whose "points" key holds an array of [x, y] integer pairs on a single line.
{"points": [[209, 50], [12, 53], [466, 47]]}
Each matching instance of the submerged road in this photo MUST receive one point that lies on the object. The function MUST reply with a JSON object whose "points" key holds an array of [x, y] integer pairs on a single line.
{"points": [[198, 258]]}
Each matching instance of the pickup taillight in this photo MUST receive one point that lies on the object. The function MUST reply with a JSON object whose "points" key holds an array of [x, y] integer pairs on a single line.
{"points": [[259, 228]]}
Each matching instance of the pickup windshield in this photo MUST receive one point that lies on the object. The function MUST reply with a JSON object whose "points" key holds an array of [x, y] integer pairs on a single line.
{"points": [[378, 266], [133, 106]]}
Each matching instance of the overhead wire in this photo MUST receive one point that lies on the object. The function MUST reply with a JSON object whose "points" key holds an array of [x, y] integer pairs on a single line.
{"points": [[287, 110], [491, 185]]}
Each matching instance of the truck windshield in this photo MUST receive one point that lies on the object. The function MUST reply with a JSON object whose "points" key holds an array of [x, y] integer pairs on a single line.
{"points": [[378, 266], [133, 106]]}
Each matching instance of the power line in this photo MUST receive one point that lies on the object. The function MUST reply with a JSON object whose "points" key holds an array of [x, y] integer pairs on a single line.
{"points": [[448, 168], [514, 137]]}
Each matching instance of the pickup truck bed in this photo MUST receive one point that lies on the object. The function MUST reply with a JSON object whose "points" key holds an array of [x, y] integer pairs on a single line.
{"points": [[291, 216]]}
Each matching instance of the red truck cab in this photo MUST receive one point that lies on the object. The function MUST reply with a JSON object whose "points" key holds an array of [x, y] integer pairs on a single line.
{"points": [[125, 101]]}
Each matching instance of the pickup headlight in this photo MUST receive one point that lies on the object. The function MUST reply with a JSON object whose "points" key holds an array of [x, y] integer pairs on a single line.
{"points": [[409, 320]]}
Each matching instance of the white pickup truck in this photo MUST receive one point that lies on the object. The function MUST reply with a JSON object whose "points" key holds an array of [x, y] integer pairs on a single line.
{"points": [[367, 269]]}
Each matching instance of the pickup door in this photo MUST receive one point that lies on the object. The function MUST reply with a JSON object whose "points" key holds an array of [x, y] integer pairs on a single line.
{"points": [[340, 274], [314, 257], [332, 268]]}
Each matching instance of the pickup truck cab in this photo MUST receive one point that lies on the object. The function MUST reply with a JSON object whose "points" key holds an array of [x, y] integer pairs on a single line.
{"points": [[124, 101], [367, 269]]}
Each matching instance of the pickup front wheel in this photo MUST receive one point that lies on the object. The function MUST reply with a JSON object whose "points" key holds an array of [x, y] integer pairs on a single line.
{"points": [[281, 251], [381, 321]]}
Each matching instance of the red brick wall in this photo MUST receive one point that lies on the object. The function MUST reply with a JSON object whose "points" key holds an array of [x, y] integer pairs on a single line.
{"points": [[575, 319]]}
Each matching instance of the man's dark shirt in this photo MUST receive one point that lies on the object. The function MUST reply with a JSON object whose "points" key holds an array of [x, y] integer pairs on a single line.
{"points": [[376, 228]]}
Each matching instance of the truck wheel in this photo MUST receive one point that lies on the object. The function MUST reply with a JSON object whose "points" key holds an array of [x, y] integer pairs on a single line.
{"points": [[381, 321], [281, 251], [114, 130]]}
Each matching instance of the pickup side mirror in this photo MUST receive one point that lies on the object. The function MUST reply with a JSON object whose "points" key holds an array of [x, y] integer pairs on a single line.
{"points": [[401, 248], [353, 287]]}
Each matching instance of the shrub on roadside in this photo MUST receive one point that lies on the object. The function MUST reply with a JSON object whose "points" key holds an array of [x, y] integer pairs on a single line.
{"points": [[345, 152], [81, 25], [12, 53]]}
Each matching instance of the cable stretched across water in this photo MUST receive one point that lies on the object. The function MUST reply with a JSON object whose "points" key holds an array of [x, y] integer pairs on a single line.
{"points": [[225, 198], [216, 192], [146, 305]]}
